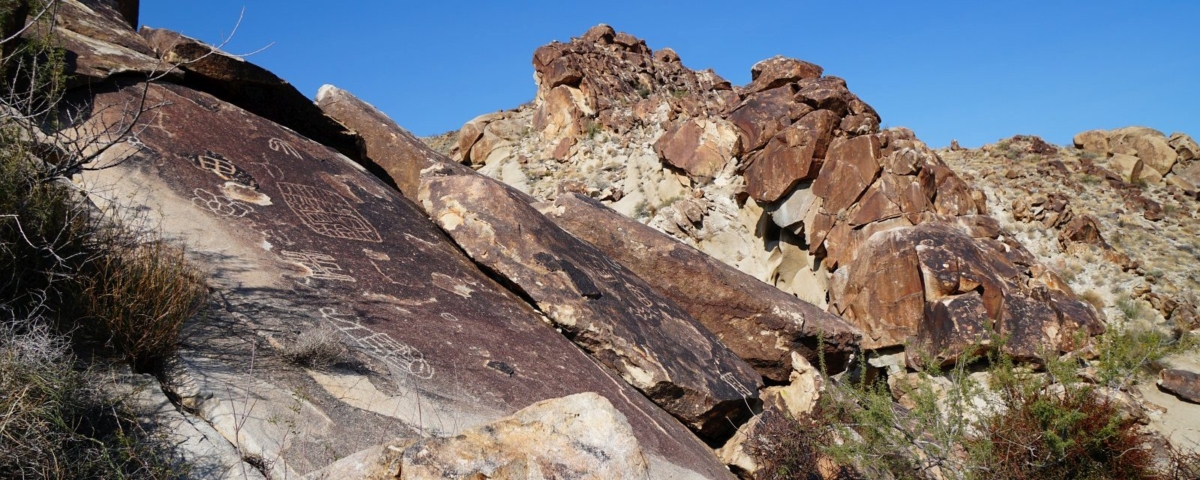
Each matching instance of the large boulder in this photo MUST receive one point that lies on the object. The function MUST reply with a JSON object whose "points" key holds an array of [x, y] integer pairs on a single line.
{"points": [[1184, 146], [1182, 383], [606, 309], [939, 289], [1094, 141], [699, 147], [298, 238], [778, 71], [792, 155], [251, 87], [759, 322], [581, 436], [1150, 146]]}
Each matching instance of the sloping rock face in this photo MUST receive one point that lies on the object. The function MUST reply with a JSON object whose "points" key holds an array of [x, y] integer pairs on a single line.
{"points": [[299, 238], [250, 87], [761, 323], [786, 179], [606, 309]]}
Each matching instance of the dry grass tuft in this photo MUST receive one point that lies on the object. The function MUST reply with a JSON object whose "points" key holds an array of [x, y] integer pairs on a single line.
{"points": [[319, 348]]}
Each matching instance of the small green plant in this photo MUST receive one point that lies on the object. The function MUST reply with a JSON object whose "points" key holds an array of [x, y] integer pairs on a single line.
{"points": [[680, 92], [643, 92], [592, 128], [641, 210]]}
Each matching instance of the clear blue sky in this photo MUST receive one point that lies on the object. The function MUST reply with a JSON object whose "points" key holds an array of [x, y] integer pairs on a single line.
{"points": [[972, 71]]}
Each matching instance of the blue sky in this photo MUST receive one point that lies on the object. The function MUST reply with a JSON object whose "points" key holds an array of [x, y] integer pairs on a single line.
{"points": [[972, 71]]}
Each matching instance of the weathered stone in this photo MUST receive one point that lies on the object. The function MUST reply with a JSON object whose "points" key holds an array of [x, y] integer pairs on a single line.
{"points": [[559, 115], [1095, 141], [1182, 383], [1083, 229], [699, 147], [581, 436], [760, 323], [764, 114], [1128, 167], [101, 43], [385, 142], [603, 307], [470, 133], [796, 207], [850, 167], [1150, 146], [874, 206], [825, 93], [778, 71], [791, 156], [298, 237], [927, 284], [1185, 147], [251, 87]]}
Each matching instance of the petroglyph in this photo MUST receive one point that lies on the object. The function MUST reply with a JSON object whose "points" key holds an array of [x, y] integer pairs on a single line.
{"points": [[220, 204], [321, 266], [218, 165], [733, 382], [449, 316], [283, 147], [327, 213], [383, 347]]}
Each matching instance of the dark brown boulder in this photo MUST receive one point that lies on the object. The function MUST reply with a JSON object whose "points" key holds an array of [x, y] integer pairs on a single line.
{"points": [[699, 147], [299, 238], [825, 93], [764, 114], [1182, 383], [606, 309], [1083, 229], [791, 156], [759, 322], [850, 167], [778, 71], [928, 284], [251, 87]]}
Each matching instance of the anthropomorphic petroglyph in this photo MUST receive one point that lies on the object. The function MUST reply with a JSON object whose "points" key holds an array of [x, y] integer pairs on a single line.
{"points": [[402, 358], [327, 213]]}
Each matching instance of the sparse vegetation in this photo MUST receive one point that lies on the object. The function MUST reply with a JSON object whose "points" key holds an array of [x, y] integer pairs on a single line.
{"points": [[317, 348], [73, 277]]}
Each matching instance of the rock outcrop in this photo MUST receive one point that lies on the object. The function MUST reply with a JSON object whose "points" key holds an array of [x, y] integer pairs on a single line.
{"points": [[759, 322], [298, 237], [787, 179]]}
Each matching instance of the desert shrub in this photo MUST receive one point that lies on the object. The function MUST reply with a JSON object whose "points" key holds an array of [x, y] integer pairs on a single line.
{"points": [[58, 425], [137, 298], [317, 348], [793, 449], [1046, 433]]}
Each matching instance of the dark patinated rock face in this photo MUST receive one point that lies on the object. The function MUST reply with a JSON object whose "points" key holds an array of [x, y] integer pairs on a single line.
{"points": [[759, 322], [603, 307], [1182, 383], [251, 87], [298, 238]]}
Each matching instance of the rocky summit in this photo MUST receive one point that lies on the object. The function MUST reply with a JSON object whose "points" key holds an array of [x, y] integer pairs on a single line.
{"points": [[645, 272]]}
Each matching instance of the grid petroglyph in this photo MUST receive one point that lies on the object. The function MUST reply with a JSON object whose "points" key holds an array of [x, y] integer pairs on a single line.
{"points": [[379, 345], [220, 204], [327, 213]]}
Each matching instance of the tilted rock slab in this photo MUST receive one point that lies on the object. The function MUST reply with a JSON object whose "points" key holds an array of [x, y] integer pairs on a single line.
{"points": [[1182, 383], [251, 87], [603, 307], [759, 322], [297, 237]]}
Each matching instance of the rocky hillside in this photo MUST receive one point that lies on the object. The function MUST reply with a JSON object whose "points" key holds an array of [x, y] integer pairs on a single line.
{"points": [[628, 277]]}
